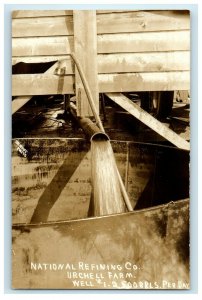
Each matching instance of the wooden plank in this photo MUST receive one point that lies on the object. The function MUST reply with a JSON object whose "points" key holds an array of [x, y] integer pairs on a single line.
{"points": [[85, 44], [111, 43], [149, 120], [118, 11], [40, 84], [139, 21], [157, 81], [143, 21], [31, 84], [108, 11], [53, 13], [144, 62], [18, 102], [40, 13], [42, 46], [64, 65], [40, 59], [48, 26], [123, 62], [144, 42]]}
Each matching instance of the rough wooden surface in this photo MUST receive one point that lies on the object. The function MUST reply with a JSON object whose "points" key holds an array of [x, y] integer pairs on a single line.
{"points": [[40, 13], [157, 81], [130, 62], [122, 22], [144, 62], [140, 21], [131, 47], [53, 13], [49, 26], [39, 84], [43, 59], [144, 42], [42, 46], [111, 43], [85, 49], [18, 102]]}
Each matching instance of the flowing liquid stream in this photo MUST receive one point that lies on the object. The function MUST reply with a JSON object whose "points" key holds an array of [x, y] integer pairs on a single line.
{"points": [[107, 196]]}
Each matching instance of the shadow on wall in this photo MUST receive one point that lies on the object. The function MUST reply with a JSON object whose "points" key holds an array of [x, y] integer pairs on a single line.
{"points": [[55, 187]]}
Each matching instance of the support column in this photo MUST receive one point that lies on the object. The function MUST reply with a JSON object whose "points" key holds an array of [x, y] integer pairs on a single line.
{"points": [[85, 49]]}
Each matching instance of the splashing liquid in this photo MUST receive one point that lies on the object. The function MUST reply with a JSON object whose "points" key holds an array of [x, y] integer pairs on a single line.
{"points": [[107, 196]]}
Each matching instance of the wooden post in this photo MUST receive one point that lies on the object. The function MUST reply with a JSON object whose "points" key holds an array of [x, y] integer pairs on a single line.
{"points": [[85, 48], [66, 102]]}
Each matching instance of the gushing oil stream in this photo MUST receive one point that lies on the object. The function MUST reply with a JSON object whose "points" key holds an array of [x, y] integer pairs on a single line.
{"points": [[107, 195], [108, 190]]}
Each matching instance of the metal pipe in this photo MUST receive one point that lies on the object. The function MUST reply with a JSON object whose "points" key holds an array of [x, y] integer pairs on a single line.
{"points": [[124, 193], [91, 130], [88, 92]]}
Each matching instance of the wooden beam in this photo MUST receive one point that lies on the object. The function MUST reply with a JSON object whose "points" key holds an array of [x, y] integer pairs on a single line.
{"points": [[142, 21], [53, 13], [42, 46], [43, 59], [123, 62], [144, 62], [63, 63], [149, 120], [85, 45], [108, 11], [162, 12], [139, 21], [110, 43], [48, 26], [144, 42], [156, 81], [40, 13], [18, 102], [40, 84]]}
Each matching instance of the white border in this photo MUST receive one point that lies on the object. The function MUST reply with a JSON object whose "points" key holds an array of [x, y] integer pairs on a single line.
{"points": [[3, 101]]}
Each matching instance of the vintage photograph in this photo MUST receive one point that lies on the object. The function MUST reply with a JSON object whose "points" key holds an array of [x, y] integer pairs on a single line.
{"points": [[101, 149]]}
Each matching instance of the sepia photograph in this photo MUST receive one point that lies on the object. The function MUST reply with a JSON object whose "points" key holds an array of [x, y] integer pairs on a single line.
{"points": [[101, 149]]}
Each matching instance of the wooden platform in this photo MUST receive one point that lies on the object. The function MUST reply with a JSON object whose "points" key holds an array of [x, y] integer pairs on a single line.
{"points": [[133, 50]]}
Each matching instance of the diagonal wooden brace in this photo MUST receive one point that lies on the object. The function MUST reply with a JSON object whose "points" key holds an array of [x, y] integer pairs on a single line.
{"points": [[149, 120]]}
